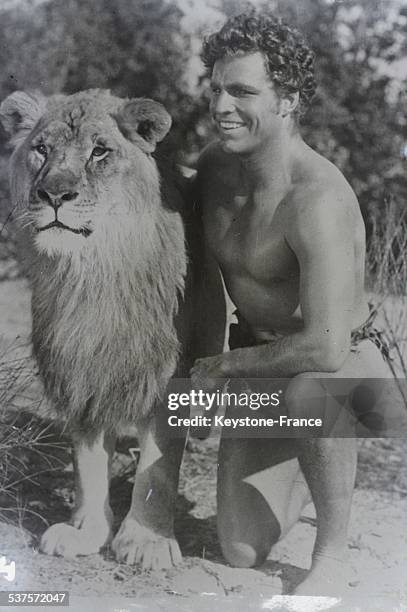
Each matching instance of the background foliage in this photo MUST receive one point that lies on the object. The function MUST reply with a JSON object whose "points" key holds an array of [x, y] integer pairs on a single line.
{"points": [[142, 47]]}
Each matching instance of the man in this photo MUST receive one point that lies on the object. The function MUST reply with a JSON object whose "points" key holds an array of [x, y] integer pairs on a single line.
{"points": [[286, 230]]}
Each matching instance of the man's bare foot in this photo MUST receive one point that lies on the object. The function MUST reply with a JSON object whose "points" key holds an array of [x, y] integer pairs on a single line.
{"points": [[327, 577]]}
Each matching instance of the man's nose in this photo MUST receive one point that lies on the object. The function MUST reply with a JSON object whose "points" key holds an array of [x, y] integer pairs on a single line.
{"points": [[222, 103], [56, 199]]}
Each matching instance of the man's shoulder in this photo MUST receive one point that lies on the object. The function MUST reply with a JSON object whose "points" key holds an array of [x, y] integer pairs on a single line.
{"points": [[321, 185], [323, 203]]}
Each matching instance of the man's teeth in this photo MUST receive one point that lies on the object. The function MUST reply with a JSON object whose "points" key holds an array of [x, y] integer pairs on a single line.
{"points": [[230, 125]]}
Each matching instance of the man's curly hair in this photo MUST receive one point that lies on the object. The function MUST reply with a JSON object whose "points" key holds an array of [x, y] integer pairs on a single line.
{"points": [[288, 59]]}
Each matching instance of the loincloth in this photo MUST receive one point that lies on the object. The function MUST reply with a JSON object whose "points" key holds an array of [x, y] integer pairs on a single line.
{"points": [[241, 335], [368, 331]]}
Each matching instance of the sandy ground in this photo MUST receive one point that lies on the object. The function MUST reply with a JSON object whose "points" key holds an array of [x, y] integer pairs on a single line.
{"points": [[377, 538]]}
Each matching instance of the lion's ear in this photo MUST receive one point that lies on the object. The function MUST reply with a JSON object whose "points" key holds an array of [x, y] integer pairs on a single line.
{"points": [[144, 122], [19, 112]]}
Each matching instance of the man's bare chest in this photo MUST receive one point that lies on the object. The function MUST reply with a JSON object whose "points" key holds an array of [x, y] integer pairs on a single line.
{"points": [[249, 240]]}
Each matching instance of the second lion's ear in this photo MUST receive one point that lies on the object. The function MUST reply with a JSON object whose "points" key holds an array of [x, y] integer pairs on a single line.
{"points": [[144, 122]]}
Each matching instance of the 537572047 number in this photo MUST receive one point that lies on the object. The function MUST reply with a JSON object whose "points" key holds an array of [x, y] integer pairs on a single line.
{"points": [[33, 598]]}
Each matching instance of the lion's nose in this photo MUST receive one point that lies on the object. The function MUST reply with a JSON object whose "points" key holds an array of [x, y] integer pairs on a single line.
{"points": [[56, 199]]}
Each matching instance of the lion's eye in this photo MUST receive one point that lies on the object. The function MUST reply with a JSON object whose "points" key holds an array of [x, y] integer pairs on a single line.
{"points": [[41, 149], [99, 152]]}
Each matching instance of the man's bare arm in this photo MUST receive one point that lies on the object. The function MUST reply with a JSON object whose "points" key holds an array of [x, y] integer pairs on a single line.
{"points": [[321, 236]]}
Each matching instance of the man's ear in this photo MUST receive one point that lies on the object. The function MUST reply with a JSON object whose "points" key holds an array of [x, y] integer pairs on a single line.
{"points": [[144, 122], [19, 112], [288, 103]]}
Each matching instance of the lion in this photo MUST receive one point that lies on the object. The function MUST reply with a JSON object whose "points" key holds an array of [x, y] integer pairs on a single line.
{"points": [[116, 273]]}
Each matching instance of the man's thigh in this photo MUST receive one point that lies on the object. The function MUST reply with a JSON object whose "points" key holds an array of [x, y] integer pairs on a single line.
{"points": [[360, 399]]}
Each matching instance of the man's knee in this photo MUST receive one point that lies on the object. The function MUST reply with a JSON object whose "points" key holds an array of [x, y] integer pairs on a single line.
{"points": [[241, 553], [246, 544]]}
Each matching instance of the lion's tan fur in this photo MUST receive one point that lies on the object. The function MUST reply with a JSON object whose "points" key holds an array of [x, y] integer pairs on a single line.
{"points": [[103, 317]]}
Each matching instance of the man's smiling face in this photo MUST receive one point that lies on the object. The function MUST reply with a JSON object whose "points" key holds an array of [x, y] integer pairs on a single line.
{"points": [[244, 103]]}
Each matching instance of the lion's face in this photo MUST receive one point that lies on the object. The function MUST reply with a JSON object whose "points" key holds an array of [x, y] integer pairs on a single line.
{"points": [[82, 163]]}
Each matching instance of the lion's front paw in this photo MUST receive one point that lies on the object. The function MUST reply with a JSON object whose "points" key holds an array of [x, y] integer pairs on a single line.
{"points": [[68, 541], [137, 544]]}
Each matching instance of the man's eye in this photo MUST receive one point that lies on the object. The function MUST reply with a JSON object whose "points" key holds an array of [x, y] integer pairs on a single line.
{"points": [[241, 92], [100, 152], [215, 90], [41, 149]]}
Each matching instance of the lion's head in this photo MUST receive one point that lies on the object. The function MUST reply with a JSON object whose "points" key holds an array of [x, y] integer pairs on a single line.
{"points": [[83, 164]]}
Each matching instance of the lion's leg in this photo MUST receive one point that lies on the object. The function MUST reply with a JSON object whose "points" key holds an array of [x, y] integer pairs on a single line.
{"points": [[146, 535], [90, 526]]}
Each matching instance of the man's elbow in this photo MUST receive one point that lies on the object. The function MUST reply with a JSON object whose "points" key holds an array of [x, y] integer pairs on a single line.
{"points": [[330, 355]]}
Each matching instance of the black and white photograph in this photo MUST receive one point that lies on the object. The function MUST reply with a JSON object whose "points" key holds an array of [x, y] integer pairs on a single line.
{"points": [[203, 305]]}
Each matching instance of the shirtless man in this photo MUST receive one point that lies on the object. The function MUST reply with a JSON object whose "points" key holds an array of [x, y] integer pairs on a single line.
{"points": [[286, 230]]}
